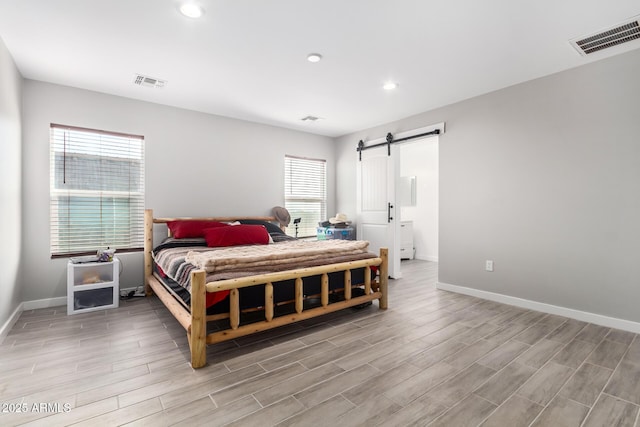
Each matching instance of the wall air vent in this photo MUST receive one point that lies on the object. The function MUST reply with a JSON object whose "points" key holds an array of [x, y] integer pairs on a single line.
{"points": [[309, 119], [147, 81], [610, 37]]}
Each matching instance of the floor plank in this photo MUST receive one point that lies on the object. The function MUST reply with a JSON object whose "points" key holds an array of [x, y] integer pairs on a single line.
{"points": [[433, 358]]}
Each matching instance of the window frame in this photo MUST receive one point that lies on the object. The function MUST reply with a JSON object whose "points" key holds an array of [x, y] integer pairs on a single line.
{"points": [[123, 232], [289, 197]]}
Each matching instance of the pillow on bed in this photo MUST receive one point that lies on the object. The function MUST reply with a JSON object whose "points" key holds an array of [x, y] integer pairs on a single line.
{"points": [[243, 234], [276, 233], [183, 229], [271, 227]]}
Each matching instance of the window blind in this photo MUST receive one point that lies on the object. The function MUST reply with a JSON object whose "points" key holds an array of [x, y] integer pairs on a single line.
{"points": [[96, 191], [305, 193]]}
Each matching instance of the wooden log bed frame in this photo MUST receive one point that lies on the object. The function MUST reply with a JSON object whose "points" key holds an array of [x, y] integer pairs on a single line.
{"points": [[194, 321]]}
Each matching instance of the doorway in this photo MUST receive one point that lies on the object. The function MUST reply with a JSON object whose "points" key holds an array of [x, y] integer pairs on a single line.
{"points": [[419, 183], [379, 210]]}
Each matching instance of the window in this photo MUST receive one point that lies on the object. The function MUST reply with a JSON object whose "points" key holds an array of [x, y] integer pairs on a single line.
{"points": [[305, 193], [96, 191]]}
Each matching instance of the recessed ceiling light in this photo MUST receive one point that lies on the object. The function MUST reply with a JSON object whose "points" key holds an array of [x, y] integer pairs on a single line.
{"points": [[314, 57], [191, 10], [390, 86]]}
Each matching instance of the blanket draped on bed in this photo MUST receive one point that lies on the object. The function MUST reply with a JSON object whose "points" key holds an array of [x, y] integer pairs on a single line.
{"points": [[241, 261], [295, 254]]}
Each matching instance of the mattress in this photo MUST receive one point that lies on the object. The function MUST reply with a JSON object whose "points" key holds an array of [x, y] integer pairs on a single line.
{"points": [[172, 270]]}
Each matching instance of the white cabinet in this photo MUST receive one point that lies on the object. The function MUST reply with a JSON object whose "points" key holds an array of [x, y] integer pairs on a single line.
{"points": [[407, 250], [92, 286]]}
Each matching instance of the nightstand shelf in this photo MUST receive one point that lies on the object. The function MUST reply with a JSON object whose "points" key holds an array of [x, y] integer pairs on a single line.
{"points": [[92, 286]]}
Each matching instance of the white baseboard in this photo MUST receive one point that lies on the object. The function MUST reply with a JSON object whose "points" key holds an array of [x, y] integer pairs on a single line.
{"points": [[4, 331], [28, 305], [44, 303], [598, 319], [426, 257]]}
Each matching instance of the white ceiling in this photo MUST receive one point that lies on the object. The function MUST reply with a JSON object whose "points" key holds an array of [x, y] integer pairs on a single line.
{"points": [[247, 58]]}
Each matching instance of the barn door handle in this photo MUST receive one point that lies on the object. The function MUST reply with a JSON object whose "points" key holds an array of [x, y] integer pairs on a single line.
{"points": [[389, 217]]}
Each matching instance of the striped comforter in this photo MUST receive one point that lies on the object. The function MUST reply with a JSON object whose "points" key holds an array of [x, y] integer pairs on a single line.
{"points": [[239, 261]]}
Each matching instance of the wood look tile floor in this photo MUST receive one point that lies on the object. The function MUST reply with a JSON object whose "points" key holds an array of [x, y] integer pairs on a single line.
{"points": [[433, 358]]}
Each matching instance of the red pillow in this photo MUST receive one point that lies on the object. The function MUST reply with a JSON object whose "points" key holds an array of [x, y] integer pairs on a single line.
{"points": [[235, 235], [183, 229]]}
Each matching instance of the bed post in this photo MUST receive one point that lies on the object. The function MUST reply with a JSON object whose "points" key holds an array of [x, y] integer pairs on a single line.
{"points": [[384, 277], [197, 332], [148, 247]]}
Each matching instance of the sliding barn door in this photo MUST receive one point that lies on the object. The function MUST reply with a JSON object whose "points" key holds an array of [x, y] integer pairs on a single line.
{"points": [[378, 217]]}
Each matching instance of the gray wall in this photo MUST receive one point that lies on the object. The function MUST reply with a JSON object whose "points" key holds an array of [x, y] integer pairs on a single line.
{"points": [[10, 179], [544, 179], [196, 165]]}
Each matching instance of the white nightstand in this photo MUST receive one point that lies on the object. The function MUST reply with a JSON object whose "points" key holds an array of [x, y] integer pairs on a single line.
{"points": [[92, 286]]}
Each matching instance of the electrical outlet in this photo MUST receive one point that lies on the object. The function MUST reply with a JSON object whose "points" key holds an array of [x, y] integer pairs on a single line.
{"points": [[488, 265]]}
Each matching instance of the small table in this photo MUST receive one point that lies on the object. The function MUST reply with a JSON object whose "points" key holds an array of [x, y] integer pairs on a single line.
{"points": [[92, 286]]}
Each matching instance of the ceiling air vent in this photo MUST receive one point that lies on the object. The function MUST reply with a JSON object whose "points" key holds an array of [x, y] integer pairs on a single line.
{"points": [[309, 119], [147, 81], [610, 37]]}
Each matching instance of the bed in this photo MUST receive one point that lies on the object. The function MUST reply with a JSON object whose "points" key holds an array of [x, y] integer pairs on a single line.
{"points": [[255, 287]]}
